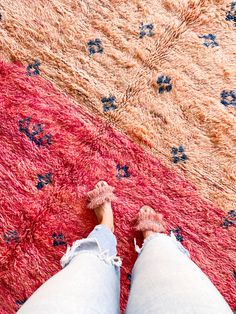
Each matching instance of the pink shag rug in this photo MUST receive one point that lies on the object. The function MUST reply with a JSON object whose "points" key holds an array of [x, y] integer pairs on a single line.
{"points": [[52, 154]]}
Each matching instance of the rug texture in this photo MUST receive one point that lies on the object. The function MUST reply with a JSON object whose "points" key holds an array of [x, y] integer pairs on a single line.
{"points": [[52, 154], [163, 72]]}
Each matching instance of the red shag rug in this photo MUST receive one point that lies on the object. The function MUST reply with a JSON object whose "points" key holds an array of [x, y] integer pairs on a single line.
{"points": [[52, 154]]}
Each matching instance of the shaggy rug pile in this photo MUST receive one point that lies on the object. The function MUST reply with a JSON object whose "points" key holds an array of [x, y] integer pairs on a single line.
{"points": [[52, 154], [141, 94], [163, 72]]}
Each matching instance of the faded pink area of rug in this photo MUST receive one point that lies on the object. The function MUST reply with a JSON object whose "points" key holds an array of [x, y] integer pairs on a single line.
{"points": [[52, 154], [162, 72]]}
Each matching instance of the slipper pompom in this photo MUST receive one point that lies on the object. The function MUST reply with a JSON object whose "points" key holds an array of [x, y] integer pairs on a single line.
{"points": [[151, 221], [100, 195]]}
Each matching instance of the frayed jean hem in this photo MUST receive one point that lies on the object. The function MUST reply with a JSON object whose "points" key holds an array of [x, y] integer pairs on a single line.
{"points": [[101, 242], [158, 235]]}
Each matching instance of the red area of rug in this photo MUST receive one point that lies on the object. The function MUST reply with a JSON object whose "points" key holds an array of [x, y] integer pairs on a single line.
{"points": [[37, 212]]}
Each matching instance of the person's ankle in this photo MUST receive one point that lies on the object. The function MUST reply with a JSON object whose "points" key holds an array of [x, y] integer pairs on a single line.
{"points": [[108, 222], [147, 234], [108, 226]]}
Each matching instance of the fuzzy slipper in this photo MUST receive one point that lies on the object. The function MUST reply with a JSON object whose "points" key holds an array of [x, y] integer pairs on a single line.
{"points": [[101, 194], [149, 220]]}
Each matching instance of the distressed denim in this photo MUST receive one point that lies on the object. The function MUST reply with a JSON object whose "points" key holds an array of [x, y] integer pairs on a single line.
{"points": [[89, 282], [164, 281]]}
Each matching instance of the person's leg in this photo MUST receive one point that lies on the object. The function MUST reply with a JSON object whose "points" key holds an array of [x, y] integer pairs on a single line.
{"points": [[166, 281], [90, 280]]}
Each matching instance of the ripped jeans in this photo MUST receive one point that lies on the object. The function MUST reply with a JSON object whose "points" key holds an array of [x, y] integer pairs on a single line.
{"points": [[164, 281]]}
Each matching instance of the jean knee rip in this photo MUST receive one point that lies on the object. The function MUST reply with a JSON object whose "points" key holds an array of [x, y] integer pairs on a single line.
{"points": [[91, 246]]}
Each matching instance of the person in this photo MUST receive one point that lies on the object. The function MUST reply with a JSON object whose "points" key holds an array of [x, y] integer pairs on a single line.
{"points": [[164, 279]]}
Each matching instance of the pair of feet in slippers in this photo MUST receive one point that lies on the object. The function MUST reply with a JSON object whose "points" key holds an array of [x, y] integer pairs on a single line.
{"points": [[148, 221]]}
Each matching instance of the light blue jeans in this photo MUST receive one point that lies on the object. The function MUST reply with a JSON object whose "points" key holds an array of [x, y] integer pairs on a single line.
{"points": [[164, 281]]}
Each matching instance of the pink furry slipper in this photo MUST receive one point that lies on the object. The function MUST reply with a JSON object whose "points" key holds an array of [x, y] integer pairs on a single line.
{"points": [[149, 220], [100, 194]]}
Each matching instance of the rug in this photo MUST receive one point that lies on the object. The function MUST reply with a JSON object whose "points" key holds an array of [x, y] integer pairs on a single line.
{"points": [[53, 151], [162, 72]]}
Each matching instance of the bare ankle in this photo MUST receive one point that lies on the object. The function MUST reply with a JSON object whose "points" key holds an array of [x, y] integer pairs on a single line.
{"points": [[105, 215], [109, 225], [147, 234]]}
